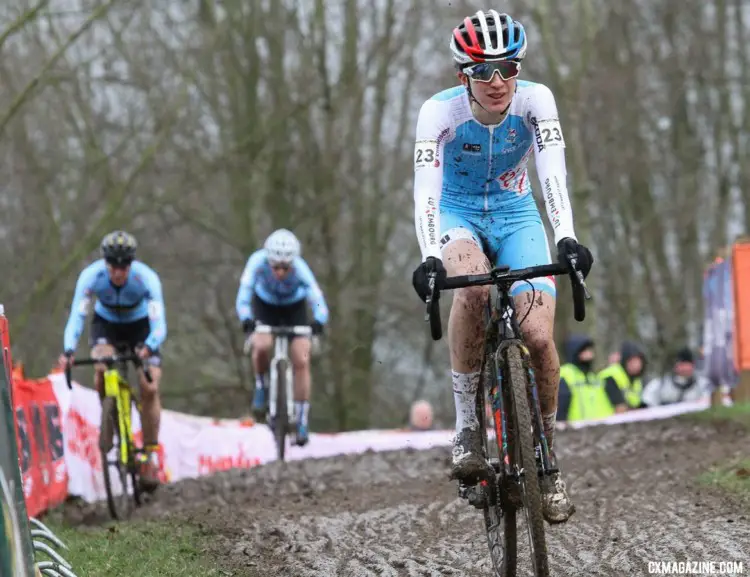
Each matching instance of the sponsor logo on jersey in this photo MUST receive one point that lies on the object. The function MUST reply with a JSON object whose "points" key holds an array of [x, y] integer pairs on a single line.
{"points": [[472, 147], [537, 134], [431, 227]]}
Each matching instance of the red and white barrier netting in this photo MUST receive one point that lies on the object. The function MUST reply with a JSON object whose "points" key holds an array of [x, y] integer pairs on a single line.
{"points": [[193, 446]]}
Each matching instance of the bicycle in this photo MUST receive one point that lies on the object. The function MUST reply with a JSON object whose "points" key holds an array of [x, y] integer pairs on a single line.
{"points": [[280, 379], [520, 442], [117, 397]]}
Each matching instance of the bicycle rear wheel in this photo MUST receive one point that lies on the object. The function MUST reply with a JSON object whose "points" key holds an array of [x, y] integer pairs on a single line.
{"points": [[281, 422], [119, 506], [522, 452], [502, 543]]}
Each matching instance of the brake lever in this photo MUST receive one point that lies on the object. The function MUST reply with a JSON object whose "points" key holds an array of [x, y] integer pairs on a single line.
{"points": [[68, 374], [431, 280], [573, 261]]}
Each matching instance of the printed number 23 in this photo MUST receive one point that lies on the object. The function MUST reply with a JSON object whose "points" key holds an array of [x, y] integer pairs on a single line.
{"points": [[548, 134], [429, 155]]}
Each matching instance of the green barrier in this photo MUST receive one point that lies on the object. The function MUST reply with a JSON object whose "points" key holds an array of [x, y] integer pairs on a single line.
{"points": [[16, 547]]}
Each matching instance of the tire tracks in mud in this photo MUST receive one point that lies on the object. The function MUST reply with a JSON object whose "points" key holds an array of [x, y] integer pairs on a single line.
{"points": [[396, 514]]}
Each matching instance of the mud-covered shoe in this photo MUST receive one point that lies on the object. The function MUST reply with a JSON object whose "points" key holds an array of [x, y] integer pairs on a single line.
{"points": [[557, 506], [467, 463]]}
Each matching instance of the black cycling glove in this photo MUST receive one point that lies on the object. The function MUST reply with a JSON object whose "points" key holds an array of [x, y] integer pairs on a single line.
{"points": [[248, 326], [317, 328], [420, 279], [584, 257]]}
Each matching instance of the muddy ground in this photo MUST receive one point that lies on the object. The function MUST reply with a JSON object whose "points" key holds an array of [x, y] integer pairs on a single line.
{"points": [[397, 514]]}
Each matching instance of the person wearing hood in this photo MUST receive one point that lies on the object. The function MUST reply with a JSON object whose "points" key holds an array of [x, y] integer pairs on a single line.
{"points": [[582, 395], [626, 374], [681, 384]]}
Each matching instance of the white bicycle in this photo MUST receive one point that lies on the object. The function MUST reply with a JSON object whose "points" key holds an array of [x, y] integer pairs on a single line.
{"points": [[281, 411]]}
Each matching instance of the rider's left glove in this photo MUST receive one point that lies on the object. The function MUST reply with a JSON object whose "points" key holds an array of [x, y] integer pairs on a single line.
{"points": [[583, 255], [420, 280], [248, 326]]}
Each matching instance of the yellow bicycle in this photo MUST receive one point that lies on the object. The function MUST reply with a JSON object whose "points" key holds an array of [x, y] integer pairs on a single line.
{"points": [[116, 422]]}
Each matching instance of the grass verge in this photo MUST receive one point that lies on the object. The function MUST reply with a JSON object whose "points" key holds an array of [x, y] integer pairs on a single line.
{"points": [[739, 414], [138, 549], [733, 477]]}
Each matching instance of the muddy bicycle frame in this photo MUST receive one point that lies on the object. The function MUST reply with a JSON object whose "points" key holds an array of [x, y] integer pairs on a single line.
{"points": [[504, 344], [117, 388]]}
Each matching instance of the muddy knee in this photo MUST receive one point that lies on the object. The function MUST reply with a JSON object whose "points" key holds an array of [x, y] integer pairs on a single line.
{"points": [[541, 346], [473, 300], [547, 367], [543, 353]]}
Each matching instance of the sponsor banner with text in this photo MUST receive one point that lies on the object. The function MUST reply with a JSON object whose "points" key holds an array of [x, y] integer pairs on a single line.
{"points": [[194, 446]]}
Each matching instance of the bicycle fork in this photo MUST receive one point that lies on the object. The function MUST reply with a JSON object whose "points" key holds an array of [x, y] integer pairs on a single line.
{"points": [[121, 395], [499, 414], [281, 350]]}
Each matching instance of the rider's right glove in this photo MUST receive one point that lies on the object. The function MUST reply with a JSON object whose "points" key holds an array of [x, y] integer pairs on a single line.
{"points": [[420, 280], [568, 246], [248, 326], [317, 328]]}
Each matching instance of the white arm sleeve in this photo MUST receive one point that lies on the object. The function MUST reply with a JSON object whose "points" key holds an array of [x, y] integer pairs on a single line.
{"points": [[433, 128], [549, 153]]}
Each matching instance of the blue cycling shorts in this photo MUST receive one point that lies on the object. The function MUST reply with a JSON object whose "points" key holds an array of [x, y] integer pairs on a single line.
{"points": [[517, 240]]}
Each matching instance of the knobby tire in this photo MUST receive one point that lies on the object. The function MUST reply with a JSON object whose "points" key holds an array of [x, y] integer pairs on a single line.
{"points": [[518, 384], [119, 506], [503, 554], [282, 419]]}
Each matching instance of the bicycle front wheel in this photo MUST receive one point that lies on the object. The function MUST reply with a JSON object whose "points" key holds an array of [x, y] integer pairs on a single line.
{"points": [[523, 454], [281, 422], [502, 541], [119, 505]]}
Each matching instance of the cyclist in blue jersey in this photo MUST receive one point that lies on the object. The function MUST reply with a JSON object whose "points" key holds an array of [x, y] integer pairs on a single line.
{"points": [[129, 309], [474, 209], [275, 288]]}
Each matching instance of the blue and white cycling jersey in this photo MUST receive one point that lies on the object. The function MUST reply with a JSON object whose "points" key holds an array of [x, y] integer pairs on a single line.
{"points": [[298, 284], [140, 297], [471, 180]]}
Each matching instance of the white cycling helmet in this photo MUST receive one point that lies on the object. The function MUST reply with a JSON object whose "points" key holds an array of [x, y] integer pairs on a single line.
{"points": [[282, 246]]}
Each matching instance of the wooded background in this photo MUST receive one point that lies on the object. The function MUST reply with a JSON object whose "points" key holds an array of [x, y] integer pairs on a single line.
{"points": [[201, 126]]}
